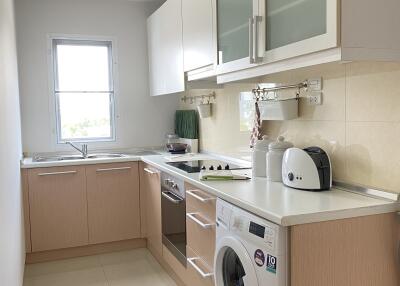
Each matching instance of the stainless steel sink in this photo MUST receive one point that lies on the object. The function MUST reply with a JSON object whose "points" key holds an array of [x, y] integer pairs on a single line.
{"points": [[75, 157]]}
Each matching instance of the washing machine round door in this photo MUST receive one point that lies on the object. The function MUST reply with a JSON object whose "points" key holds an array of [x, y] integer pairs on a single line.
{"points": [[233, 265]]}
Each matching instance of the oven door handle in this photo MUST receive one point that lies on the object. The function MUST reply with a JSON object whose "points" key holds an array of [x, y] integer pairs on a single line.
{"points": [[172, 198]]}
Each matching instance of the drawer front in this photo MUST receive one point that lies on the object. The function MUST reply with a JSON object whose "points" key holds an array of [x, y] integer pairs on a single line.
{"points": [[200, 223], [200, 201], [198, 273]]}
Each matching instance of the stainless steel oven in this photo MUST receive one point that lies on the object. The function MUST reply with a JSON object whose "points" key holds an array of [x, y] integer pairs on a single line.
{"points": [[173, 216]]}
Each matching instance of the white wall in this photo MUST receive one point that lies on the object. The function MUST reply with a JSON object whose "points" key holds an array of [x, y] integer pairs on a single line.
{"points": [[12, 249], [141, 119]]}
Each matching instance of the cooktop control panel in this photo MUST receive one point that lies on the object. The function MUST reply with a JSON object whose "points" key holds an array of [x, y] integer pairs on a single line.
{"points": [[197, 165]]}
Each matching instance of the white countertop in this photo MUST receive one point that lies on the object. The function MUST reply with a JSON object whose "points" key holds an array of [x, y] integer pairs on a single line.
{"points": [[272, 201], [283, 205]]}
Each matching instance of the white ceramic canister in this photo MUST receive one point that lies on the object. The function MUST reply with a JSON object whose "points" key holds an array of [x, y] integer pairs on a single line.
{"points": [[259, 157], [275, 157]]}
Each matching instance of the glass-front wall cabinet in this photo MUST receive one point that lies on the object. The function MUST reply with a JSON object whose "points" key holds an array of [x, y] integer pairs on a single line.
{"points": [[264, 31], [289, 21], [233, 29]]}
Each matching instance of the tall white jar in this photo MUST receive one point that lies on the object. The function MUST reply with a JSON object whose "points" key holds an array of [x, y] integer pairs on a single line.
{"points": [[275, 158], [259, 157]]}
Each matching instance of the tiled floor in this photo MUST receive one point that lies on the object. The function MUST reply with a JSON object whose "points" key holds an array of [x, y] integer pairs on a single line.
{"points": [[134, 267]]}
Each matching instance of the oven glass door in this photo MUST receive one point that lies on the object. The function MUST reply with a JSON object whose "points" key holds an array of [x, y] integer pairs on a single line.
{"points": [[173, 208]]}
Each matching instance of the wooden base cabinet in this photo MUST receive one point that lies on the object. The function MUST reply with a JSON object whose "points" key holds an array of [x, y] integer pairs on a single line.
{"points": [[362, 251], [150, 186], [113, 202], [58, 207], [200, 232]]}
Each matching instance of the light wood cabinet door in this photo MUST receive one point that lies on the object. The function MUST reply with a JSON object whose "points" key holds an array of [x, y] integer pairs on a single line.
{"points": [[361, 251], [58, 207], [113, 202], [151, 190]]}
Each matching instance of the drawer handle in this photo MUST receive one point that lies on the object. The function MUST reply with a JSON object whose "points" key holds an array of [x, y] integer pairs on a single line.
{"points": [[192, 262], [151, 172], [113, 169], [193, 216], [57, 173], [200, 198]]}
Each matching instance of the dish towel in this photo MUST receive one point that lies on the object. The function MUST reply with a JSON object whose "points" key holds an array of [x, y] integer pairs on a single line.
{"points": [[256, 131], [220, 175]]}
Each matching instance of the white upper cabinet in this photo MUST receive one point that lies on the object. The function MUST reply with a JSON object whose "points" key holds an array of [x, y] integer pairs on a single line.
{"points": [[264, 31], [289, 34], [165, 50], [198, 34]]}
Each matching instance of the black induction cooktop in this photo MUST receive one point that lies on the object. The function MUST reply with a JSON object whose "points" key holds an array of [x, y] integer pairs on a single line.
{"points": [[197, 165]]}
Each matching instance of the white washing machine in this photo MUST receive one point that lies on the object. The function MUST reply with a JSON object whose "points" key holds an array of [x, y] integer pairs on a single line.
{"points": [[250, 251]]}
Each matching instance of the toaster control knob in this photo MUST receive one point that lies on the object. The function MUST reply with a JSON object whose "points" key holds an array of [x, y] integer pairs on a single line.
{"points": [[203, 168], [211, 168], [290, 176], [227, 167], [219, 167]]}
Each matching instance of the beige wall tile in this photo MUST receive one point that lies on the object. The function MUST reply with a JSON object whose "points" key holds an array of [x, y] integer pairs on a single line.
{"points": [[372, 154], [329, 135], [373, 91], [358, 123], [333, 107]]}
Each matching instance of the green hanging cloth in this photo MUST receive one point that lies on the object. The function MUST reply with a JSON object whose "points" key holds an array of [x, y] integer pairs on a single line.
{"points": [[187, 124]]}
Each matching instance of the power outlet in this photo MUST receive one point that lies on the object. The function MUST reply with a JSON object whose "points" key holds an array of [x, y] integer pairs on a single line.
{"points": [[315, 98]]}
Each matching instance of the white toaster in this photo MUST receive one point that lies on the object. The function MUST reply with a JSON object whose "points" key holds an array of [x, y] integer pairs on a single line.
{"points": [[307, 169]]}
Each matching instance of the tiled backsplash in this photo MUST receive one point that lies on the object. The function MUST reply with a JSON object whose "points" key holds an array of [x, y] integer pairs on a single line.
{"points": [[358, 123]]}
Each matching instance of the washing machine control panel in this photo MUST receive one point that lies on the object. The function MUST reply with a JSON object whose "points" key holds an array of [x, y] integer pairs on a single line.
{"points": [[257, 229], [263, 232]]}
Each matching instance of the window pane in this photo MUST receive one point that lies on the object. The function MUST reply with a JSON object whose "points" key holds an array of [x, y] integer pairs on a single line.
{"points": [[84, 116], [83, 68]]}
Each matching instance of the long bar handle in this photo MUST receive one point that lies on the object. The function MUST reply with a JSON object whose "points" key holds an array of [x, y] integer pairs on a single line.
{"points": [[256, 21], [198, 269], [193, 217], [57, 173], [251, 40], [113, 169], [201, 199], [151, 172]]}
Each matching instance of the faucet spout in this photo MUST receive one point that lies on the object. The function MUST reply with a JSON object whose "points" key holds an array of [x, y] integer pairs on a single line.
{"points": [[83, 150]]}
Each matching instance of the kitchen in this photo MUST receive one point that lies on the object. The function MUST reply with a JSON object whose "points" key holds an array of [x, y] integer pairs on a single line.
{"points": [[325, 74]]}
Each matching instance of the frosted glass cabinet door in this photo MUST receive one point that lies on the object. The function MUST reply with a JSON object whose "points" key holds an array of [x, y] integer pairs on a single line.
{"points": [[296, 27], [233, 29]]}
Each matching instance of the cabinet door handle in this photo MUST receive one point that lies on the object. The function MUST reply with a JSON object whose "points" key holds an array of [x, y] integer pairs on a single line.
{"points": [[113, 169], [192, 261], [251, 40], [196, 196], [256, 21], [193, 217], [151, 172], [57, 173]]}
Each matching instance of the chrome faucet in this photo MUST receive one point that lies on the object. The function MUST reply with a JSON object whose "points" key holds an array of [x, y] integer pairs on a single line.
{"points": [[83, 151]]}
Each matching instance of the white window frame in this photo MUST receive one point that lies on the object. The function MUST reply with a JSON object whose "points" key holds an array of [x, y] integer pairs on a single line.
{"points": [[55, 90]]}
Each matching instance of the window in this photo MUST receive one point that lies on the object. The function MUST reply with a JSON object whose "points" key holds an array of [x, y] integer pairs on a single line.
{"points": [[83, 90]]}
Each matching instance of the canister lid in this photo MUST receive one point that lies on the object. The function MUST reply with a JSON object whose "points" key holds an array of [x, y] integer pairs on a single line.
{"points": [[263, 143], [280, 144]]}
